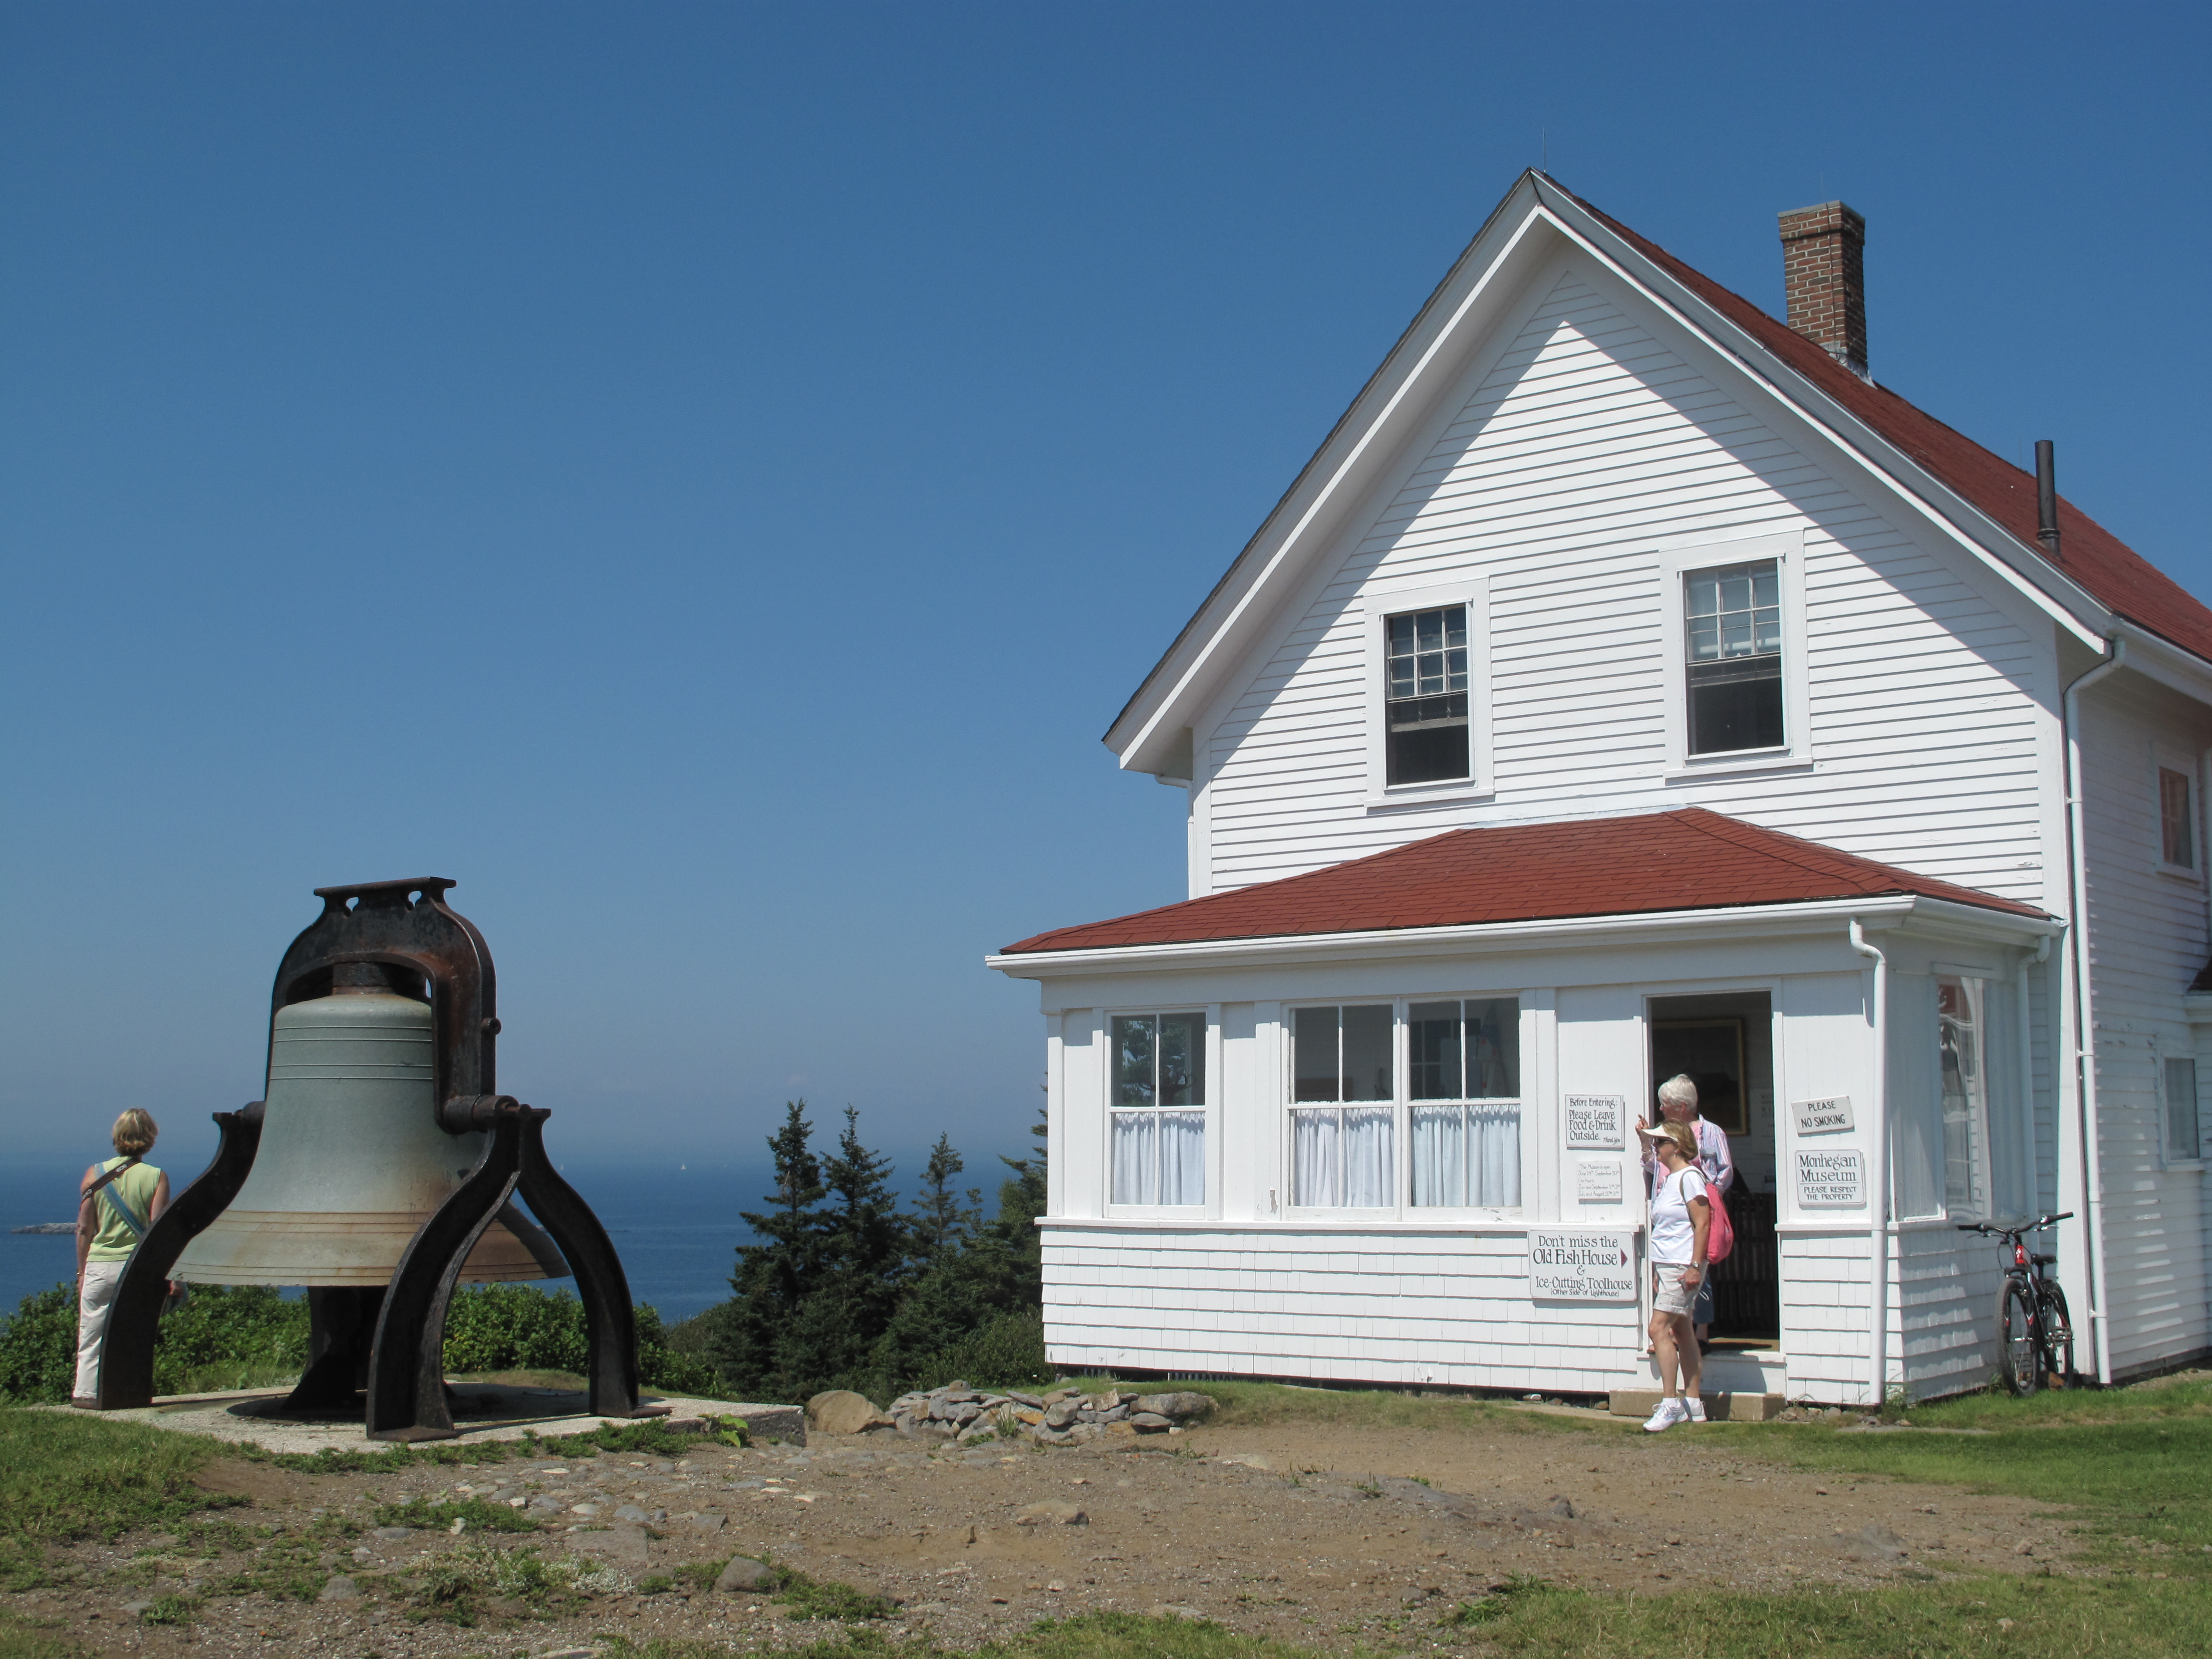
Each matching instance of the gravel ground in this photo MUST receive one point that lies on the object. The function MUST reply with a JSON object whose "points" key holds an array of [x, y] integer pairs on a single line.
{"points": [[1325, 1537]]}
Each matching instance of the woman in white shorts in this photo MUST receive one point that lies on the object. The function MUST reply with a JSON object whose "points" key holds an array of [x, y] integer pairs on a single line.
{"points": [[1681, 1216]]}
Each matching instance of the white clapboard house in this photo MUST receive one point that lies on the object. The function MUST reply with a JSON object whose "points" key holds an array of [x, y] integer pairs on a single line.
{"points": [[1631, 684]]}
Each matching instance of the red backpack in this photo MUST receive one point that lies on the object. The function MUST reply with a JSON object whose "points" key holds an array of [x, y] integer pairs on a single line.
{"points": [[1720, 1233]]}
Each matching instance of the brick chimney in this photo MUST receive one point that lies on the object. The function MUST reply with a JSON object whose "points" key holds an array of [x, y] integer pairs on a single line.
{"points": [[1824, 274]]}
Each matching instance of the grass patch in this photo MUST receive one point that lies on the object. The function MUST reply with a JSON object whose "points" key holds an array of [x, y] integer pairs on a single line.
{"points": [[65, 1477], [1089, 1636], [1266, 1405], [22, 1638], [651, 1437], [171, 1610], [452, 1588]]}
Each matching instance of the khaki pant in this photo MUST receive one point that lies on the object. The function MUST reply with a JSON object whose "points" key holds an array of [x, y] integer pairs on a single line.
{"points": [[94, 1299]]}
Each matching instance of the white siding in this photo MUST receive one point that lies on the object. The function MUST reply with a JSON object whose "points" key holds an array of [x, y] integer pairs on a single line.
{"points": [[1585, 444], [1449, 1307], [2147, 939]]}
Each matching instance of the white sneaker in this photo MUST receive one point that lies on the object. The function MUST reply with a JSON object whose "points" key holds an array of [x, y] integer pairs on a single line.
{"points": [[1671, 1412], [1696, 1408]]}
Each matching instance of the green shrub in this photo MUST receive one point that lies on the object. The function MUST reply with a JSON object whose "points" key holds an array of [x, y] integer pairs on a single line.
{"points": [[1008, 1352], [514, 1328], [38, 1348]]}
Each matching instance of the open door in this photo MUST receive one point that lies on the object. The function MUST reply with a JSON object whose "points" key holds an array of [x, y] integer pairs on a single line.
{"points": [[1725, 1045]]}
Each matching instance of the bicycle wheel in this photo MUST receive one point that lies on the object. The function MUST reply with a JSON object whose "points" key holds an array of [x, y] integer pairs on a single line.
{"points": [[2017, 1359], [2058, 1334]]}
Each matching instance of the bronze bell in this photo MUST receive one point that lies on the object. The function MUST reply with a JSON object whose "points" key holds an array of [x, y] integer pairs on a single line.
{"points": [[379, 1171]]}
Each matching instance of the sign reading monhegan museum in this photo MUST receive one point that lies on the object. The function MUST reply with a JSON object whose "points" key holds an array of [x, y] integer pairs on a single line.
{"points": [[1582, 1267], [1834, 1178], [1597, 1120], [1824, 1117]]}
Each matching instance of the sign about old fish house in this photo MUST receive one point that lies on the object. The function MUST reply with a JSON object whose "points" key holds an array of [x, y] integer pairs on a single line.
{"points": [[1582, 1267]]}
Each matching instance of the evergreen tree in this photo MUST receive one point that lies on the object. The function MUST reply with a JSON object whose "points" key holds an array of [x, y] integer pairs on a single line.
{"points": [[775, 1275], [942, 1227]]}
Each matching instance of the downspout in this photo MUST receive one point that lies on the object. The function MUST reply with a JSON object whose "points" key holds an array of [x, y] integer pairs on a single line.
{"points": [[2027, 1007], [1877, 1175], [2079, 1010]]}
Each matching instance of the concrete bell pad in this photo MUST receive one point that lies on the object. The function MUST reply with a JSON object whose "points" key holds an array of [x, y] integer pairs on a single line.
{"points": [[481, 1411]]}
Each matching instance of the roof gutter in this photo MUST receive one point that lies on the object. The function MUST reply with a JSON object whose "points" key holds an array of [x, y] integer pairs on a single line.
{"points": [[1997, 925], [2077, 1033]]}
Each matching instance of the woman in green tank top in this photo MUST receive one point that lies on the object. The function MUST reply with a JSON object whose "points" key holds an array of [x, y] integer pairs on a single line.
{"points": [[117, 1201]]}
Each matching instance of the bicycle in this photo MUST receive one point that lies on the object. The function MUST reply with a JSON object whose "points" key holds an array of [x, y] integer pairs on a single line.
{"points": [[2035, 1337]]}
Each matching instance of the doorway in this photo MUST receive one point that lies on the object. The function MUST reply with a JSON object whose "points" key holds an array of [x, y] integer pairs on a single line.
{"points": [[1724, 1043]]}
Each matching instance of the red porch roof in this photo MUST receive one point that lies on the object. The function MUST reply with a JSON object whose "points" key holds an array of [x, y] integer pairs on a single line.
{"points": [[1690, 860], [2119, 578]]}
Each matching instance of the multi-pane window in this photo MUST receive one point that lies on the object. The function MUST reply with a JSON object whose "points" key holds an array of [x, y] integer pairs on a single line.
{"points": [[1463, 1061], [1961, 1029], [2177, 819], [1159, 1120], [2181, 1126], [1732, 632], [1341, 1131], [1426, 666]]}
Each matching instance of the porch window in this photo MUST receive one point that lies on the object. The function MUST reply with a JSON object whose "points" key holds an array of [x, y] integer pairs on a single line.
{"points": [[1732, 632], [2182, 1145], [1464, 1059], [1426, 666], [1961, 1029], [1341, 1150], [2177, 819], [1159, 1116]]}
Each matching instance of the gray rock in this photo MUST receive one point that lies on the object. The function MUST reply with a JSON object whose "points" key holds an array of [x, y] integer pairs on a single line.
{"points": [[1148, 1422], [392, 1534], [1060, 1414], [839, 1412], [632, 1512], [545, 1502], [1182, 1407], [624, 1545], [587, 1510], [340, 1589], [1084, 1433], [1034, 1402], [1115, 1413], [134, 1609], [712, 1521], [1564, 1509], [1050, 1511], [1876, 1542], [746, 1576], [1047, 1436], [958, 1385]]}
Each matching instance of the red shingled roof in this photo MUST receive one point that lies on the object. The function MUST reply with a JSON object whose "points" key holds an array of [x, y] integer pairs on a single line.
{"points": [[2119, 577], [1690, 860]]}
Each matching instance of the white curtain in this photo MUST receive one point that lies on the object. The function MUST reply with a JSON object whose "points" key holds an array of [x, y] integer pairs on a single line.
{"points": [[1467, 1155], [1315, 1141], [1159, 1158], [1367, 1167]]}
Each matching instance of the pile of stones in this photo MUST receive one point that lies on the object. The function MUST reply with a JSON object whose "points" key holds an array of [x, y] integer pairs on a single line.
{"points": [[1060, 1416]]}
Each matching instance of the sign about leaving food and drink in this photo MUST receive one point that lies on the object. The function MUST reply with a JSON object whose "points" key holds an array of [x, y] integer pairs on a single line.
{"points": [[1597, 1120], [1824, 1117], [1582, 1267], [1834, 1179], [1597, 1181]]}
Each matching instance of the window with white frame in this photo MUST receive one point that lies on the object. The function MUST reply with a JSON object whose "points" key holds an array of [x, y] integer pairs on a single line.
{"points": [[1426, 663], [1961, 1028], [1343, 1122], [2177, 818], [2182, 1127], [1732, 640], [1463, 1065], [1158, 1151]]}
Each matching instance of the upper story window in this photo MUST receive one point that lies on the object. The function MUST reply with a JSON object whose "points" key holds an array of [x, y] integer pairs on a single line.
{"points": [[1159, 1150], [2182, 1145], [1732, 634], [1426, 665], [2177, 818]]}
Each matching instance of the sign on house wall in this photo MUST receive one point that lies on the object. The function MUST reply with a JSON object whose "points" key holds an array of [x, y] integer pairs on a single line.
{"points": [[1832, 1179], [1582, 1267], [1597, 1120], [1597, 1181], [1824, 1117]]}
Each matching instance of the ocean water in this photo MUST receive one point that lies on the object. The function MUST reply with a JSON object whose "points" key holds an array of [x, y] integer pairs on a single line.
{"points": [[676, 1227]]}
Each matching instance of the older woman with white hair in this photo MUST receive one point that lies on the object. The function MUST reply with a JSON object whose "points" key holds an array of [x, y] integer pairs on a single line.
{"points": [[1678, 1103]]}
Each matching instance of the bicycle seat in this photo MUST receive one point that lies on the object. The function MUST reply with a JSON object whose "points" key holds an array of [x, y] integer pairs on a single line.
{"points": [[2042, 1261]]}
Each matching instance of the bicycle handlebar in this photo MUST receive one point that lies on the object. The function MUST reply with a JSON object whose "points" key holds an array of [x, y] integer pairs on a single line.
{"points": [[2035, 1226]]}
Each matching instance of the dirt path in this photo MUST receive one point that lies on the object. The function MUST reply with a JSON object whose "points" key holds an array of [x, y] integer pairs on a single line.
{"points": [[1317, 1535]]}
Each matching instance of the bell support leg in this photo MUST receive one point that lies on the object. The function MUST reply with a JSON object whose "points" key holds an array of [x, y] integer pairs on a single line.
{"points": [[126, 1347], [601, 1284], [407, 1362]]}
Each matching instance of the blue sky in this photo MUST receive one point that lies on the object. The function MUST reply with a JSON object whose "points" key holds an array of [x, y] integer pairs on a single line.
{"points": [[704, 476]]}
